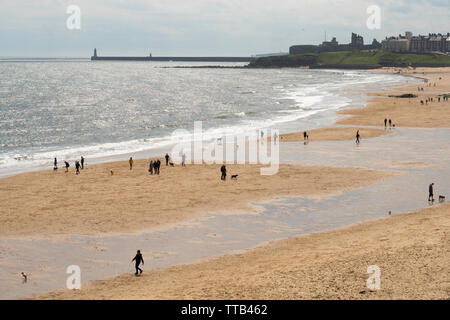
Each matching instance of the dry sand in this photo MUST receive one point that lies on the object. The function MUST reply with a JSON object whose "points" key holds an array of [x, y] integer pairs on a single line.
{"points": [[404, 112], [411, 250], [407, 112], [49, 203]]}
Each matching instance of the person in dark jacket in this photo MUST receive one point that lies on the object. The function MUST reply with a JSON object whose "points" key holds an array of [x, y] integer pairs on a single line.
{"points": [[138, 259], [223, 170], [430, 192]]}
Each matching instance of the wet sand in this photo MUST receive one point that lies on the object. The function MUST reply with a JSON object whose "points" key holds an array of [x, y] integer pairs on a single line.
{"points": [[411, 251], [334, 134], [48, 203]]}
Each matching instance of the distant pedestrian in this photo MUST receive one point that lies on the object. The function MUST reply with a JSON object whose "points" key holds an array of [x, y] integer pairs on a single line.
{"points": [[131, 163], [305, 135], [150, 168], [55, 164], [390, 123], [82, 162], [67, 165], [77, 167], [430, 192], [138, 259], [357, 137], [275, 137], [157, 165], [223, 170], [167, 159], [183, 160], [385, 122]]}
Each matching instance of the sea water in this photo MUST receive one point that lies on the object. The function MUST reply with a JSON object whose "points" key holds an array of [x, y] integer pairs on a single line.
{"points": [[72, 108]]}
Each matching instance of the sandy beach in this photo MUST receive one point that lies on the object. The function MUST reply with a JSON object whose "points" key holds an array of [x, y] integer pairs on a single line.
{"points": [[48, 203], [410, 249], [333, 134], [406, 112]]}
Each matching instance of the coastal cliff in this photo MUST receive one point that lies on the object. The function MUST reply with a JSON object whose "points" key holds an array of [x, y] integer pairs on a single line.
{"points": [[352, 60]]}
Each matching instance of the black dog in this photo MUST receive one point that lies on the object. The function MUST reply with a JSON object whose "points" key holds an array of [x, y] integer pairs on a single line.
{"points": [[234, 176]]}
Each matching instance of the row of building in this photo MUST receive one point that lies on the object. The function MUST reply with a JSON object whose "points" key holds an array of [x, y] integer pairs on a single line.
{"points": [[356, 44], [417, 44]]}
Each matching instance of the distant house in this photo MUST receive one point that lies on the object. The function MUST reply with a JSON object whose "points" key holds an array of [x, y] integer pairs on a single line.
{"points": [[418, 44], [356, 44], [397, 44]]}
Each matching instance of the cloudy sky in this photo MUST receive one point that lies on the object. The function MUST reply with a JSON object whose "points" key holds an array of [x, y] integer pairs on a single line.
{"points": [[202, 27]]}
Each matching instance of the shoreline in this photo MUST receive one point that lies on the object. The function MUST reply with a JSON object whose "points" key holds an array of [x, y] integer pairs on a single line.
{"points": [[97, 289], [154, 151], [95, 202], [303, 262]]}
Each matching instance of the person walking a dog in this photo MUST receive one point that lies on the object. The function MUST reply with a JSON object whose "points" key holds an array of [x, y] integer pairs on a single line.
{"points": [[223, 169], [430, 192], [167, 159]]}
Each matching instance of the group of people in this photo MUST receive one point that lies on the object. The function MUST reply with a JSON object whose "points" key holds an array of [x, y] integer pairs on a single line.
{"points": [[444, 98], [154, 166], [386, 121], [78, 165]]}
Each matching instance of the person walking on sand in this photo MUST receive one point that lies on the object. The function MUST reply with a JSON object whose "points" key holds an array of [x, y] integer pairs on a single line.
{"points": [[150, 169], [357, 137], [55, 164], [67, 165], [138, 259], [385, 123], [390, 123], [223, 169], [82, 163], [183, 160], [157, 166], [131, 163], [305, 135], [430, 192], [77, 167], [167, 159]]}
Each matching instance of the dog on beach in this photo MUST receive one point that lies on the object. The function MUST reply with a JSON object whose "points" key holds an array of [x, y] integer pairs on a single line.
{"points": [[171, 164], [234, 176], [441, 198]]}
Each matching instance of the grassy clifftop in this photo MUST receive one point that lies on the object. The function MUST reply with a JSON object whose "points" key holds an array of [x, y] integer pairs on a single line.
{"points": [[348, 59]]}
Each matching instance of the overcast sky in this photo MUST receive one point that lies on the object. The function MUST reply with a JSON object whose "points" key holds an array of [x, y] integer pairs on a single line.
{"points": [[203, 27]]}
